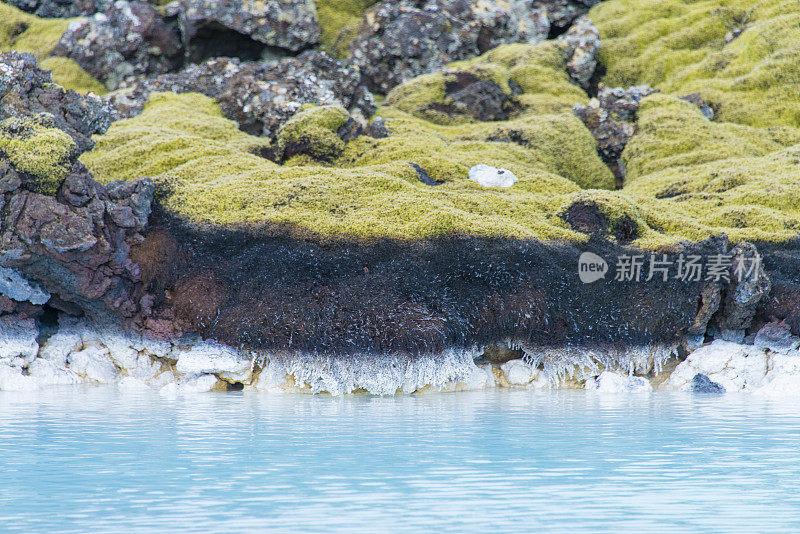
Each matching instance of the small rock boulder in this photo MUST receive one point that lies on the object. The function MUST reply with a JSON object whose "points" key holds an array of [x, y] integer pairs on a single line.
{"points": [[27, 91], [244, 28], [702, 384], [262, 95], [776, 337], [583, 43], [400, 40], [129, 39]]}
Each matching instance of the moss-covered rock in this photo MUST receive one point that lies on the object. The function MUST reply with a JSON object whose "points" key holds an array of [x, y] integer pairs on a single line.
{"points": [[27, 33], [37, 149], [313, 131]]}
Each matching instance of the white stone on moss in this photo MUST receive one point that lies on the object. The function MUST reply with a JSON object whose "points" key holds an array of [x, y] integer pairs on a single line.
{"points": [[489, 176]]}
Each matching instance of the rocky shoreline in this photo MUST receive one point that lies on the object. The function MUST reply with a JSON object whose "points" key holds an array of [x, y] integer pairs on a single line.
{"points": [[398, 198], [74, 352]]}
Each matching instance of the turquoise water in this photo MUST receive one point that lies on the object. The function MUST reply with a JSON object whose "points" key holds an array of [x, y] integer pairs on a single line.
{"points": [[95, 459]]}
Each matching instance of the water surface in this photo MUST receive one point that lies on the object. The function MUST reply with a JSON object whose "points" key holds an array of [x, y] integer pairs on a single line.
{"points": [[100, 460]]}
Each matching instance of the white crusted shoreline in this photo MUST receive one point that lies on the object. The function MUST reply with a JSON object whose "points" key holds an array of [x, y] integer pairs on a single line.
{"points": [[79, 353]]}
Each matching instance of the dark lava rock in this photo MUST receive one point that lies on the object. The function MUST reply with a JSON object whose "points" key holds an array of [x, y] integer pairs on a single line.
{"points": [[483, 99], [776, 337], [26, 90], [562, 13], [611, 119], [749, 283], [702, 384], [75, 244], [126, 40], [697, 100], [583, 43], [60, 8], [260, 96], [400, 40], [586, 217], [244, 28]]}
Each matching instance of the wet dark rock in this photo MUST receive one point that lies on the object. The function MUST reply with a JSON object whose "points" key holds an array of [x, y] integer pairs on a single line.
{"points": [[776, 337], [218, 27], [484, 100], [748, 284], [583, 43], [400, 40], [26, 90], [586, 217], [129, 39], [702, 384], [702, 105], [422, 174], [610, 117], [260, 96]]}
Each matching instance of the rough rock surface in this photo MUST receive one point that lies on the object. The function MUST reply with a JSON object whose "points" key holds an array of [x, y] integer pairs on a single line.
{"points": [[702, 384], [776, 337], [60, 8], [260, 96], [583, 43], [26, 90], [748, 285], [127, 39], [217, 27], [611, 118], [76, 244], [562, 13], [63, 235], [400, 40]]}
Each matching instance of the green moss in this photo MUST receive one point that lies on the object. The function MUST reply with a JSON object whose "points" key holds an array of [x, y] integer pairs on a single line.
{"points": [[27, 33], [673, 133], [679, 47], [314, 129], [538, 71], [339, 21], [688, 178], [35, 147], [69, 75]]}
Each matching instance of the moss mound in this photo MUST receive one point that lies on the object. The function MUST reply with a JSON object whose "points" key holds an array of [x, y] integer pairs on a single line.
{"points": [[39, 150], [366, 188], [27, 33], [740, 55]]}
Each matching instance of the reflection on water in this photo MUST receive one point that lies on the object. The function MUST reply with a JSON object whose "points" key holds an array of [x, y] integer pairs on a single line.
{"points": [[100, 460]]}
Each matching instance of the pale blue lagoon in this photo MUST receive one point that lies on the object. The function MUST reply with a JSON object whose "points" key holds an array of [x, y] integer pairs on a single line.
{"points": [[101, 460]]}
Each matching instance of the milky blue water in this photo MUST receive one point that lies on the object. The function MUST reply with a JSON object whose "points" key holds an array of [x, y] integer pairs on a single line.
{"points": [[98, 460]]}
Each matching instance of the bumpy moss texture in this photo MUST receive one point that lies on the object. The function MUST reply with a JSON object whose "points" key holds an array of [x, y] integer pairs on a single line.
{"points": [[688, 178], [685, 47], [27, 33], [38, 149]]}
